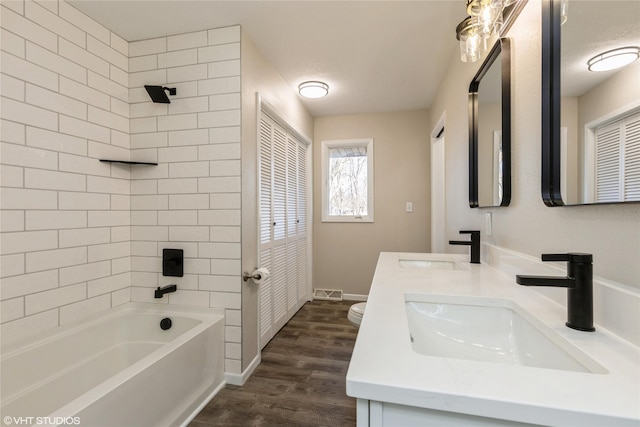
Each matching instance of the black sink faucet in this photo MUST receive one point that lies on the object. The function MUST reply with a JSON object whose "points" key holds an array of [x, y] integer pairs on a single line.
{"points": [[474, 243], [164, 290], [579, 281]]}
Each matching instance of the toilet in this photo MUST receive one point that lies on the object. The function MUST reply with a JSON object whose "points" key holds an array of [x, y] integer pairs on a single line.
{"points": [[356, 312]]}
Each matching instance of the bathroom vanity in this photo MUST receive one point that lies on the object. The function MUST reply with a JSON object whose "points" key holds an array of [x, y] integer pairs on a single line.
{"points": [[448, 343]]}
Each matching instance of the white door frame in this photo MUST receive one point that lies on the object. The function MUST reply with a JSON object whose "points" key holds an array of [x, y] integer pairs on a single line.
{"points": [[438, 194]]}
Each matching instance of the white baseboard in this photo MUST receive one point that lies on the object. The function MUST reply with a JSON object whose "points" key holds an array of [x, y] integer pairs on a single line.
{"points": [[354, 297], [240, 379]]}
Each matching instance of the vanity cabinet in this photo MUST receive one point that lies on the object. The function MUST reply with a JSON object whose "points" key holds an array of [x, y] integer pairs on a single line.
{"points": [[372, 413], [396, 383]]}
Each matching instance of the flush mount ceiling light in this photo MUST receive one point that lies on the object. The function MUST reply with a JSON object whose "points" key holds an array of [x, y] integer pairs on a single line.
{"points": [[313, 89], [612, 59]]}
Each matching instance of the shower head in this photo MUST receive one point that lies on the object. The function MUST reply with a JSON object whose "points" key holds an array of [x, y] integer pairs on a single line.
{"points": [[157, 93]]}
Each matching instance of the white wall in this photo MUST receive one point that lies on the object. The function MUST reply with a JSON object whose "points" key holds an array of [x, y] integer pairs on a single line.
{"points": [[72, 223], [80, 236], [610, 232], [191, 200], [65, 215]]}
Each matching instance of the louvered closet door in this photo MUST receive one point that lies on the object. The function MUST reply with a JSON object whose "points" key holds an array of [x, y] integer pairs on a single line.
{"points": [[266, 229], [292, 229], [279, 209], [301, 226], [632, 159], [608, 164], [283, 236], [618, 160]]}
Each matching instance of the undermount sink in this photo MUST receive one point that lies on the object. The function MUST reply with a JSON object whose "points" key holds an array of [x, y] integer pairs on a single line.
{"points": [[489, 330], [434, 264]]}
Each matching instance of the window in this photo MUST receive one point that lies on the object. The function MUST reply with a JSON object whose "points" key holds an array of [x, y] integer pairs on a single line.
{"points": [[347, 177]]}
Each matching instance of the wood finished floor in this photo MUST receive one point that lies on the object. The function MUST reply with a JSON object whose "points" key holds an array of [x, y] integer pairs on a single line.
{"points": [[301, 380]]}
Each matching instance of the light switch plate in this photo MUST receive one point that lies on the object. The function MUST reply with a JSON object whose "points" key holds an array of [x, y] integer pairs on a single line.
{"points": [[487, 224], [409, 207]]}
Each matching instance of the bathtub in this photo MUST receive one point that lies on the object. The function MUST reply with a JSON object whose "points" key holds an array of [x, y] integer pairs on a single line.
{"points": [[117, 369]]}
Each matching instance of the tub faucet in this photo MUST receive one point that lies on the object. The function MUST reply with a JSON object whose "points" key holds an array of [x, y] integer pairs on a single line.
{"points": [[579, 281], [164, 290], [474, 243]]}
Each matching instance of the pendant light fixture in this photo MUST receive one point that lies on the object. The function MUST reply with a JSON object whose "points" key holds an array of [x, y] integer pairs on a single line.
{"points": [[613, 59], [313, 89], [486, 17]]}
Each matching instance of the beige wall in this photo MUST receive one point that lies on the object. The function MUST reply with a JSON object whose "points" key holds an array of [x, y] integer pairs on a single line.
{"points": [[569, 119], [610, 232], [259, 76], [617, 93], [452, 102], [490, 115], [621, 90], [345, 254]]}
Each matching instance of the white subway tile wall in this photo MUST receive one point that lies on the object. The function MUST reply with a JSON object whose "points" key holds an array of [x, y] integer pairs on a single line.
{"points": [[80, 236], [191, 200], [65, 241]]}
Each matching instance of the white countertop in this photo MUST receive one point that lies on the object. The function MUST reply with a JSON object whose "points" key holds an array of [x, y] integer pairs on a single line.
{"points": [[385, 368]]}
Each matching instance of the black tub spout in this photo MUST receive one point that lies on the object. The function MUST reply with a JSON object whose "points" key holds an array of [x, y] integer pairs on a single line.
{"points": [[164, 290]]}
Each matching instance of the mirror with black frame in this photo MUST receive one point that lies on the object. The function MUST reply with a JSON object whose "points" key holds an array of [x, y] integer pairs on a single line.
{"points": [[490, 130], [590, 112]]}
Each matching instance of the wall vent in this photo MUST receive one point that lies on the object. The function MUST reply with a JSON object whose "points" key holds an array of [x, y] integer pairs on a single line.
{"points": [[327, 294]]}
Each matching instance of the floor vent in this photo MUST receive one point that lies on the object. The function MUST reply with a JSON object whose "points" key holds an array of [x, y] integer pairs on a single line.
{"points": [[327, 294]]}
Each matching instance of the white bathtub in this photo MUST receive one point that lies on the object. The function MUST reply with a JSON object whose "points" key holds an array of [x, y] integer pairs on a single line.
{"points": [[119, 369]]}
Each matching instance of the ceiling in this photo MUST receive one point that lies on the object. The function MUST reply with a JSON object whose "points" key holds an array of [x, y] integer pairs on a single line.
{"points": [[594, 27], [375, 55]]}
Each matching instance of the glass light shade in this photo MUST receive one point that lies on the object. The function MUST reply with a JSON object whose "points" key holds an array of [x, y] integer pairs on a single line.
{"points": [[489, 13], [612, 59], [313, 89], [471, 49], [472, 44]]}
